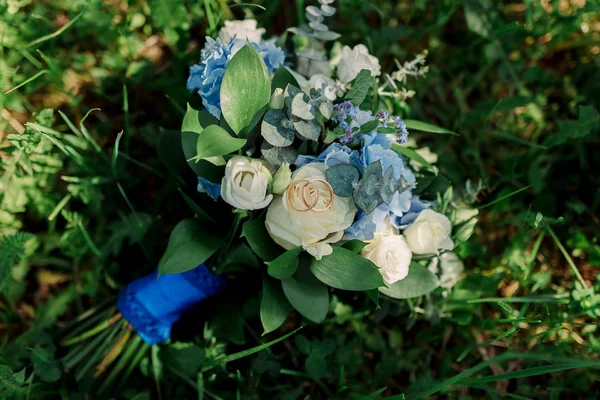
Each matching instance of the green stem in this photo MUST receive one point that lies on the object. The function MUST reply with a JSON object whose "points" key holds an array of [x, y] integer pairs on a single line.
{"points": [[92, 332], [567, 256]]}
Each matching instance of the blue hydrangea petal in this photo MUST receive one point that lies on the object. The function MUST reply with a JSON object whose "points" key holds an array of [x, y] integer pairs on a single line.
{"points": [[213, 190]]}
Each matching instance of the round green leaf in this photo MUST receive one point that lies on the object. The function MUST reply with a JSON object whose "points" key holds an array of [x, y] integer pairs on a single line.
{"points": [[307, 295], [344, 269], [285, 265], [419, 281], [274, 132], [343, 179], [278, 155], [246, 88], [189, 246]]}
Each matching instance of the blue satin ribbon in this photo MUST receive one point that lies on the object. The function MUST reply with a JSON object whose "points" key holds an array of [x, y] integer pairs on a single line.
{"points": [[153, 303]]}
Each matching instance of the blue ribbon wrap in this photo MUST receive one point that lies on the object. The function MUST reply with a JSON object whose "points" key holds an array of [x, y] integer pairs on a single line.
{"points": [[153, 303]]}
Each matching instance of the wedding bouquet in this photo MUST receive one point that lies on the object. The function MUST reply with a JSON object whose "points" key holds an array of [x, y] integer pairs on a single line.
{"points": [[308, 181]]}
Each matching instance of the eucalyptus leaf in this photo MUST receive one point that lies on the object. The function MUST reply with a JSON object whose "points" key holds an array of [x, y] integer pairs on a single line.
{"points": [[245, 89], [301, 107], [418, 282], [277, 129], [343, 178], [388, 186], [344, 269], [190, 245], [326, 109], [274, 307], [367, 195], [278, 155], [307, 294], [308, 129]]}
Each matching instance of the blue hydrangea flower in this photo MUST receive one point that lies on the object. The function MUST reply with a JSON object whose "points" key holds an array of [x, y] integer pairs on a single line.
{"points": [[206, 77], [416, 206], [384, 140], [213, 190], [334, 154], [271, 53], [366, 225]]}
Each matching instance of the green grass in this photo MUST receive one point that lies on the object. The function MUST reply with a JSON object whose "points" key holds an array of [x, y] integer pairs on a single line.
{"points": [[86, 202]]}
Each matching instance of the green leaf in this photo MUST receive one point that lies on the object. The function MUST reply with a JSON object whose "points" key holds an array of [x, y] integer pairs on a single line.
{"points": [[419, 281], [410, 153], [274, 130], [228, 322], [199, 213], [316, 366], [354, 245], [274, 307], [588, 119], [425, 127], [282, 78], [223, 360], [344, 269], [258, 238], [171, 154], [190, 244], [370, 126], [307, 295], [246, 88], [193, 124], [285, 265], [214, 141], [367, 195], [186, 358], [169, 14], [343, 178], [360, 87]]}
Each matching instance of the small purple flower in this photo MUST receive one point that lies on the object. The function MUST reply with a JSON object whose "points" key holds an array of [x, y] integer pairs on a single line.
{"points": [[401, 128]]}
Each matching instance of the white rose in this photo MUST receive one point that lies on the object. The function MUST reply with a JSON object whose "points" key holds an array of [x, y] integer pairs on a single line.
{"points": [[242, 30], [429, 233], [391, 254], [246, 183], [354, 60], [311, 230], [448, 268]]}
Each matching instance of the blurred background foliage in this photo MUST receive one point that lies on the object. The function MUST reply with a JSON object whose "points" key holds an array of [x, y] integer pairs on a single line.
{"points": [[87, 199]]}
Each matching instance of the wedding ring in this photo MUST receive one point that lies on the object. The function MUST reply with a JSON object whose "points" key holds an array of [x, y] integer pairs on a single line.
{"points": [[293, 185], [329, 188]]}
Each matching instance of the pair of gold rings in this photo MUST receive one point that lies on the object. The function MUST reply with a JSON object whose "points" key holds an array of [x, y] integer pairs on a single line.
{"points": [[310, 194]]}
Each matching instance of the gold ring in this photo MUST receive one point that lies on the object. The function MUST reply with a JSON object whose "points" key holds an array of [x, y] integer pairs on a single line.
{"points": [[329, 188], [292, 185]]}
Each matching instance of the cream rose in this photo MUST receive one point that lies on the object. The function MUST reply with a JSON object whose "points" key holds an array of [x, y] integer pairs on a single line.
{"points": [[391, 254], [242, 30], [246, 184], [354, 60], [311, 230], [429, 233]]}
